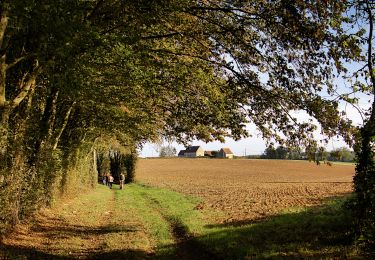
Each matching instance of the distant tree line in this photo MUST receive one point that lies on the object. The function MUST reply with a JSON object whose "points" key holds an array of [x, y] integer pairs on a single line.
{"points": [[341, 154]]}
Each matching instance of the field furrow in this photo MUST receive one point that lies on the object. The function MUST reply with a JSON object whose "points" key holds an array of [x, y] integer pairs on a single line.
{"points": [[248, 189]]}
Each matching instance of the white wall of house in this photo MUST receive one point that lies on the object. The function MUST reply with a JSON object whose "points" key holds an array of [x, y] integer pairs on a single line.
{"points": [[200, 152], [229, 156]]}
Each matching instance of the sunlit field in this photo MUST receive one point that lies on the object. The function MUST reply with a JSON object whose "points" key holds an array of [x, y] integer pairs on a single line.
{"points": [[248, 189]]}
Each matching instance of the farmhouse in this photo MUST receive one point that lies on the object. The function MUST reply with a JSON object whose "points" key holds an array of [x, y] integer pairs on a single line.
{"points": [[193, 151], [225, 153], [197, 151]]}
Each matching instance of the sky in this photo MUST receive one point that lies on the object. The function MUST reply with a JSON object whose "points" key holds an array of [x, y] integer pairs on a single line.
{"points": [[255, 145]]}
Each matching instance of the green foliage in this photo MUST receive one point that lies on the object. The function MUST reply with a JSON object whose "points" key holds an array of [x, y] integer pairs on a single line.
{"points": [[282, 153], [115, 158], [100, 167], [364, 184], [362, 81], [129, 161], [342, 154]]}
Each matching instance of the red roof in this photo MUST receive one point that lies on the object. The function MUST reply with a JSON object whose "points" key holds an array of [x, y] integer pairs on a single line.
{"points": [[227, 151]]}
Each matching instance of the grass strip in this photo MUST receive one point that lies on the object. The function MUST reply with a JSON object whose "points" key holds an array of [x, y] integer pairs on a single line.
{"points": [[320, 232]]}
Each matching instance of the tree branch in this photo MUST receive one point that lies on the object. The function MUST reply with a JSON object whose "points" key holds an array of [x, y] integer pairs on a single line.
{"points": [[369, 49], [160, 36], [53, 115], [25, 87], [3, 25], [16, 61], [65, 122]]}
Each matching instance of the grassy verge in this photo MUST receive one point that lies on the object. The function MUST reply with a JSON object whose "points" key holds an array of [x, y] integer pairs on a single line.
{"points": [[161, 210], [322, 232], [343, 163]]}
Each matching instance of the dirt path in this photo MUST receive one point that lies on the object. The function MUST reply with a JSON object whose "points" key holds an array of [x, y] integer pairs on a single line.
{"points": [[86, 228]]}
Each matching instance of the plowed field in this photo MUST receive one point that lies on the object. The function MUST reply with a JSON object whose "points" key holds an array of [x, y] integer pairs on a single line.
{"points": [[247, 190]]}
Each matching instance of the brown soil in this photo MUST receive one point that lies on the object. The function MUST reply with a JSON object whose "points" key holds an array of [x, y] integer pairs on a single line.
{"points": [[248, 189]]}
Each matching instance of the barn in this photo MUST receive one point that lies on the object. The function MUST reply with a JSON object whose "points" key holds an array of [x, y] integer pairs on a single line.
{"points": [[194, 151], [225, 153]]}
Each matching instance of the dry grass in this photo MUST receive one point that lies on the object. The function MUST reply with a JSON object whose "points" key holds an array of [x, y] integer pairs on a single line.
{"points": [[248, 189]]}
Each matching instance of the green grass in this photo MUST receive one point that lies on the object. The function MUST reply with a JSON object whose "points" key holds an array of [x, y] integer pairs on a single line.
{"points": [[344, 163], [134, 200], [322, 232], [161, 210]]}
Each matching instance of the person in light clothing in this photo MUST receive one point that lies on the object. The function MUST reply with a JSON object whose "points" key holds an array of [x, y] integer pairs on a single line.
{"points": [[110, 181], [122, 179]]}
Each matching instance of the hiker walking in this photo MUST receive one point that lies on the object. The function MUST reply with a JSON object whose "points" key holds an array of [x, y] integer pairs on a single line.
{"points": [[122, 179], [110, 181], [107, 178]]}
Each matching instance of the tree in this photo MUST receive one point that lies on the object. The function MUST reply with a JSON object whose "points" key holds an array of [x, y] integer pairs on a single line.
{"points": [[342, 154], [269, 153], [115, 163], [362, 12], [129, 161], [282, 152], [167, 151], [295, 153]]}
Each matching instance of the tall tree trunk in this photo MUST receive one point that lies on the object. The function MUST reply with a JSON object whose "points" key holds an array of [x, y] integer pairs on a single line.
{"points": [[43, 126], [94, 167], [65, 123], [364, 180], [3, 24], [4, 128], [4, 109]]}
